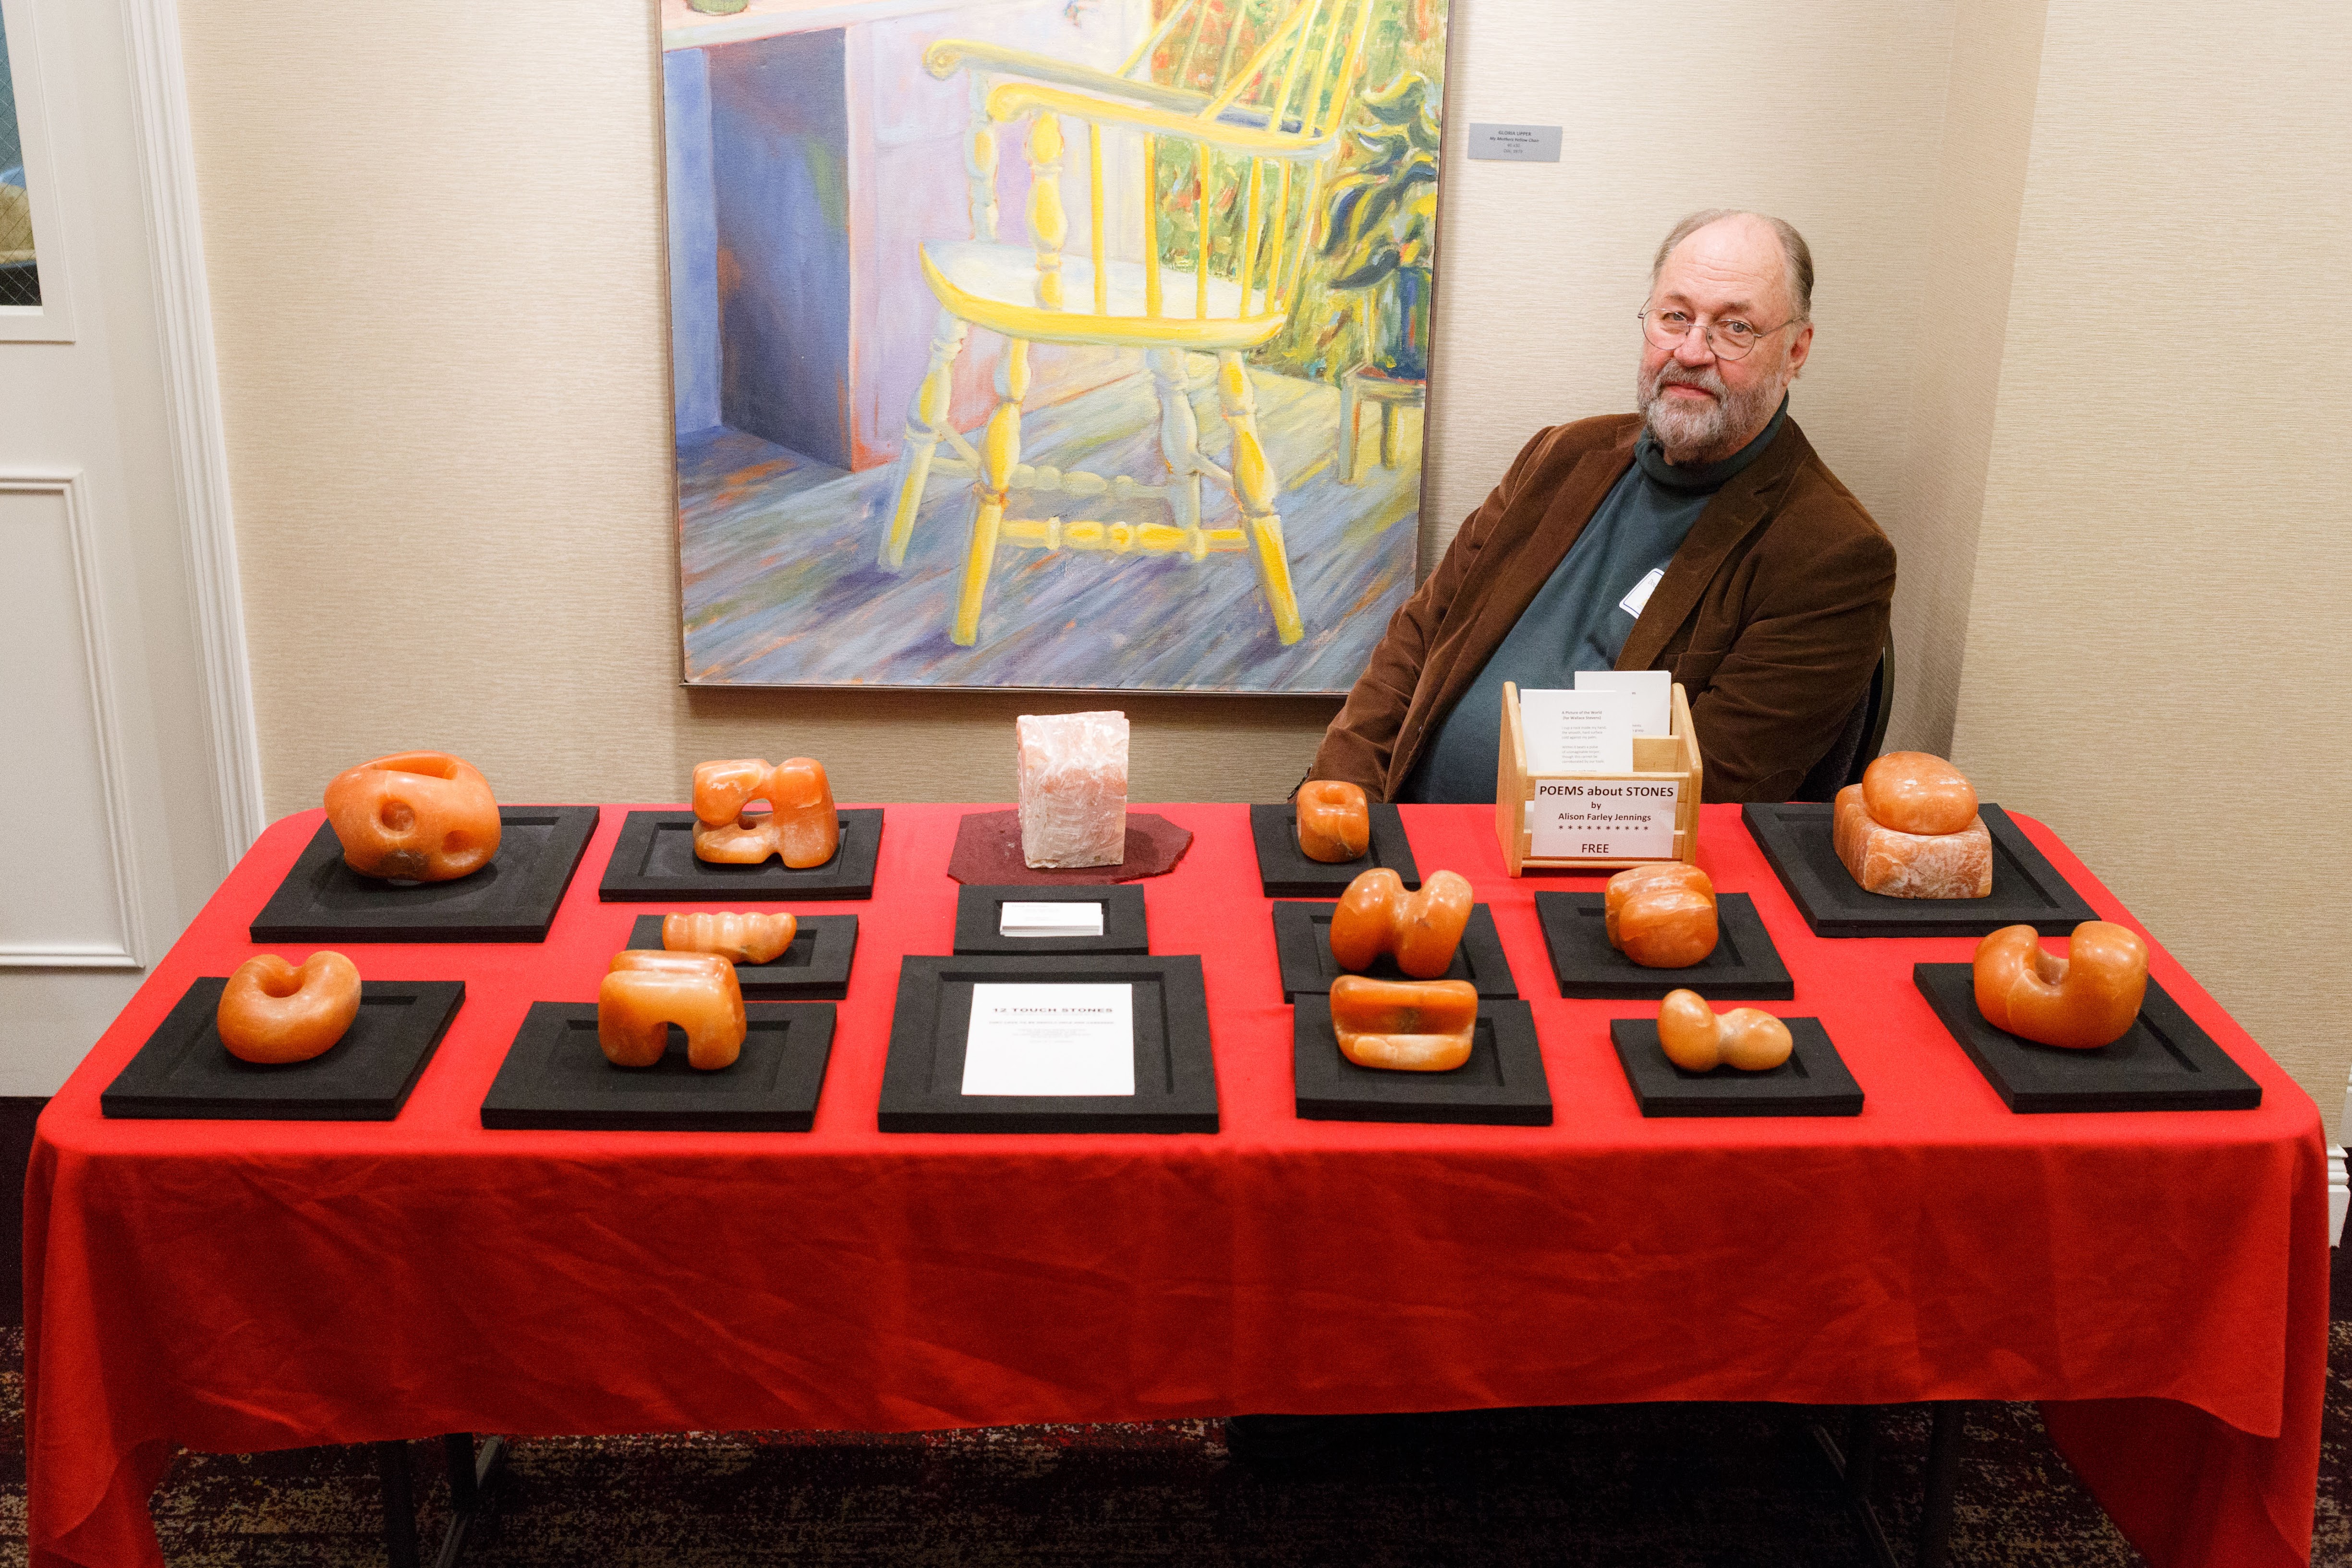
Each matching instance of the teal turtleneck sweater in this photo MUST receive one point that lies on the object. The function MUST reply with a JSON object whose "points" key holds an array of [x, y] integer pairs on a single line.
{"points": [[1578, 619]]}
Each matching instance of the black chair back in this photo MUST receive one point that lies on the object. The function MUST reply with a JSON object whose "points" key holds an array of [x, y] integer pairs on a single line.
{"points": [[1858, 740]]}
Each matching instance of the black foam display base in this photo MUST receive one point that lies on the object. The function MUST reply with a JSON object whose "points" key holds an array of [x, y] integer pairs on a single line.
{"points": [[555, 1075], [1175, 1071], [512, 899], [1501, 1085], [980, 918], [184, 1071], [653, 862], [1744, 967], [814, 968], [1284, 872], [2026, 887], [1813, 1081], [2164, 1061], [1302, 941]]}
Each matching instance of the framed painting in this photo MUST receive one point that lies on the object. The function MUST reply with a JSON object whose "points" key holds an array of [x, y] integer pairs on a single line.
{"points": [[1048, 343]]}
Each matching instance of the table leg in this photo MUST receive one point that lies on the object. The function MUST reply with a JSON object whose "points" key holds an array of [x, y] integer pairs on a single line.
{"points": [[399, 1504], [1943, 1483], [1854, 1464], [469, 1478]]}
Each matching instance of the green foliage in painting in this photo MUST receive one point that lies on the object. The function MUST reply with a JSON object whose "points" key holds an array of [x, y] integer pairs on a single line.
{"points": [[1359, 287], [1380, 227]]}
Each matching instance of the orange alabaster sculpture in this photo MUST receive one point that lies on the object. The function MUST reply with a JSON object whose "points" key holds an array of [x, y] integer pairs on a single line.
{"points": [[1697, 1039], [646, 992], [1408, 1025], [737, 938], [1421, 929], [1910, 830], [271, 1011], [1662, 916], [424, 815], [1919, 791], [1334, 824], [800, 823], [2082, 1001]]}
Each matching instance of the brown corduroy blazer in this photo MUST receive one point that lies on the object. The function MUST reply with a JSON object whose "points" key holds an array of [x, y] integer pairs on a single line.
{"points": [[1771, 616]]}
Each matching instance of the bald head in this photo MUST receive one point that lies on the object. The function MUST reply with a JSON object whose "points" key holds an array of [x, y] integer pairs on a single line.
{"points": [[1725, 331], [1753, 237]]}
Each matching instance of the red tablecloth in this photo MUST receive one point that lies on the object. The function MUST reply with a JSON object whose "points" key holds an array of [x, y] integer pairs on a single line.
{"points": [[238, 1286]]}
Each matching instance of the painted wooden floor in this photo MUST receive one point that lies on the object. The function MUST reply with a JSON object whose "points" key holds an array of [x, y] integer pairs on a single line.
{"points": [[777, 557]]}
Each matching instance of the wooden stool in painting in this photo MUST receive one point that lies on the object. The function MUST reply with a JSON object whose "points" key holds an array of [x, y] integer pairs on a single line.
{"points": [[1251, 128], [1394, 397]]}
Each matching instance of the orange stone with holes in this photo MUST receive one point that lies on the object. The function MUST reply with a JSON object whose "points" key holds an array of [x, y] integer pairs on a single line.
{"points": [[800, 823], [1697, 1039], [737, 938], [423, 815], [2081, 1001], [1421, 930], [1335, 822], [272, 1012], [645, 992], [1406, 1026], [1662, 916]]}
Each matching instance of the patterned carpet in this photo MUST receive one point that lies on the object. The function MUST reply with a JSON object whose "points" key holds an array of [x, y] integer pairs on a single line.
{"points": [[1656, 1486]]}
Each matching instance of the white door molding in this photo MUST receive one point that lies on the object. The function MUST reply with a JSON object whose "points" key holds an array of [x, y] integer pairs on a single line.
{"points": [[105, 717], [199, 439]]}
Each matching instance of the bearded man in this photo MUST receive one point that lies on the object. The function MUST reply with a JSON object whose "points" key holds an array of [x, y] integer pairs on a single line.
{"points": [[1702, 535]]}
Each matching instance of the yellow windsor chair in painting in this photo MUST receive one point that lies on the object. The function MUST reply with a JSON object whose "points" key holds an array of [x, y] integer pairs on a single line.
{"points": [[1258, 130]]}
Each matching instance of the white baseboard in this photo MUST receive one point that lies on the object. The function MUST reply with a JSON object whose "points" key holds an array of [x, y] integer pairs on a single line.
{"points": [[2339, 1195]]}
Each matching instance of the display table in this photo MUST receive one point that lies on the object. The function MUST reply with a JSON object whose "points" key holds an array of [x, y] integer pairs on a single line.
{"points": [[2160, 1281]]}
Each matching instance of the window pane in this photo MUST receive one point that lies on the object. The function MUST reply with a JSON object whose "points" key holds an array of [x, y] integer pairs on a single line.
{"points": [[20, 279]]}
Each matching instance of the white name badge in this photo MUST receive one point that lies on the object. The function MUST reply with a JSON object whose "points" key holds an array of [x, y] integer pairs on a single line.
{"points": [[1632, 602], [1602, 819]]}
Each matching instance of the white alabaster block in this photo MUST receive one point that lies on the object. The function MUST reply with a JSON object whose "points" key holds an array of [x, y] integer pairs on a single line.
{"points": [[1073, 771]]}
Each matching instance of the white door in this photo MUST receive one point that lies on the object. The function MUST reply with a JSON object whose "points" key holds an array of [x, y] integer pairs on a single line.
{"points": [[127, 784]]}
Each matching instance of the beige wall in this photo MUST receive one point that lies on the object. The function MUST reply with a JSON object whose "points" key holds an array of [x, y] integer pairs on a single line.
{"points": [[2158, 636], [1956, 342], [435, 231]]}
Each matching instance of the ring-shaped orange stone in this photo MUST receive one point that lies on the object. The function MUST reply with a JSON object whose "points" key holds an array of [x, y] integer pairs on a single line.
{"points": [[272, 1012]]}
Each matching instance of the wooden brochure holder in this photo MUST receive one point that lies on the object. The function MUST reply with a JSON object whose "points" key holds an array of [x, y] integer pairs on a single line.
{"points": [[1669, 759]]}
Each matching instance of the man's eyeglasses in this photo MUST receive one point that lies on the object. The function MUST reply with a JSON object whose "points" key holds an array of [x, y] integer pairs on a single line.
{"points": [[1666, 327]]}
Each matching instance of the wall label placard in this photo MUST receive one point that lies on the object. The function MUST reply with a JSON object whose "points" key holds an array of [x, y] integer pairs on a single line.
{"points": [[1515, 144], [1598, 819]]}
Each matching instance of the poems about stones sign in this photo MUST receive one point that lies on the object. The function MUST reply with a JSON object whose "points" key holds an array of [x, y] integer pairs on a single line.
{"points": [[1602, 819]]}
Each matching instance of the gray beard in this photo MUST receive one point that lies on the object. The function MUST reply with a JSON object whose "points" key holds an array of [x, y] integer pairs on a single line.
{"points": [[1709, 432]]}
